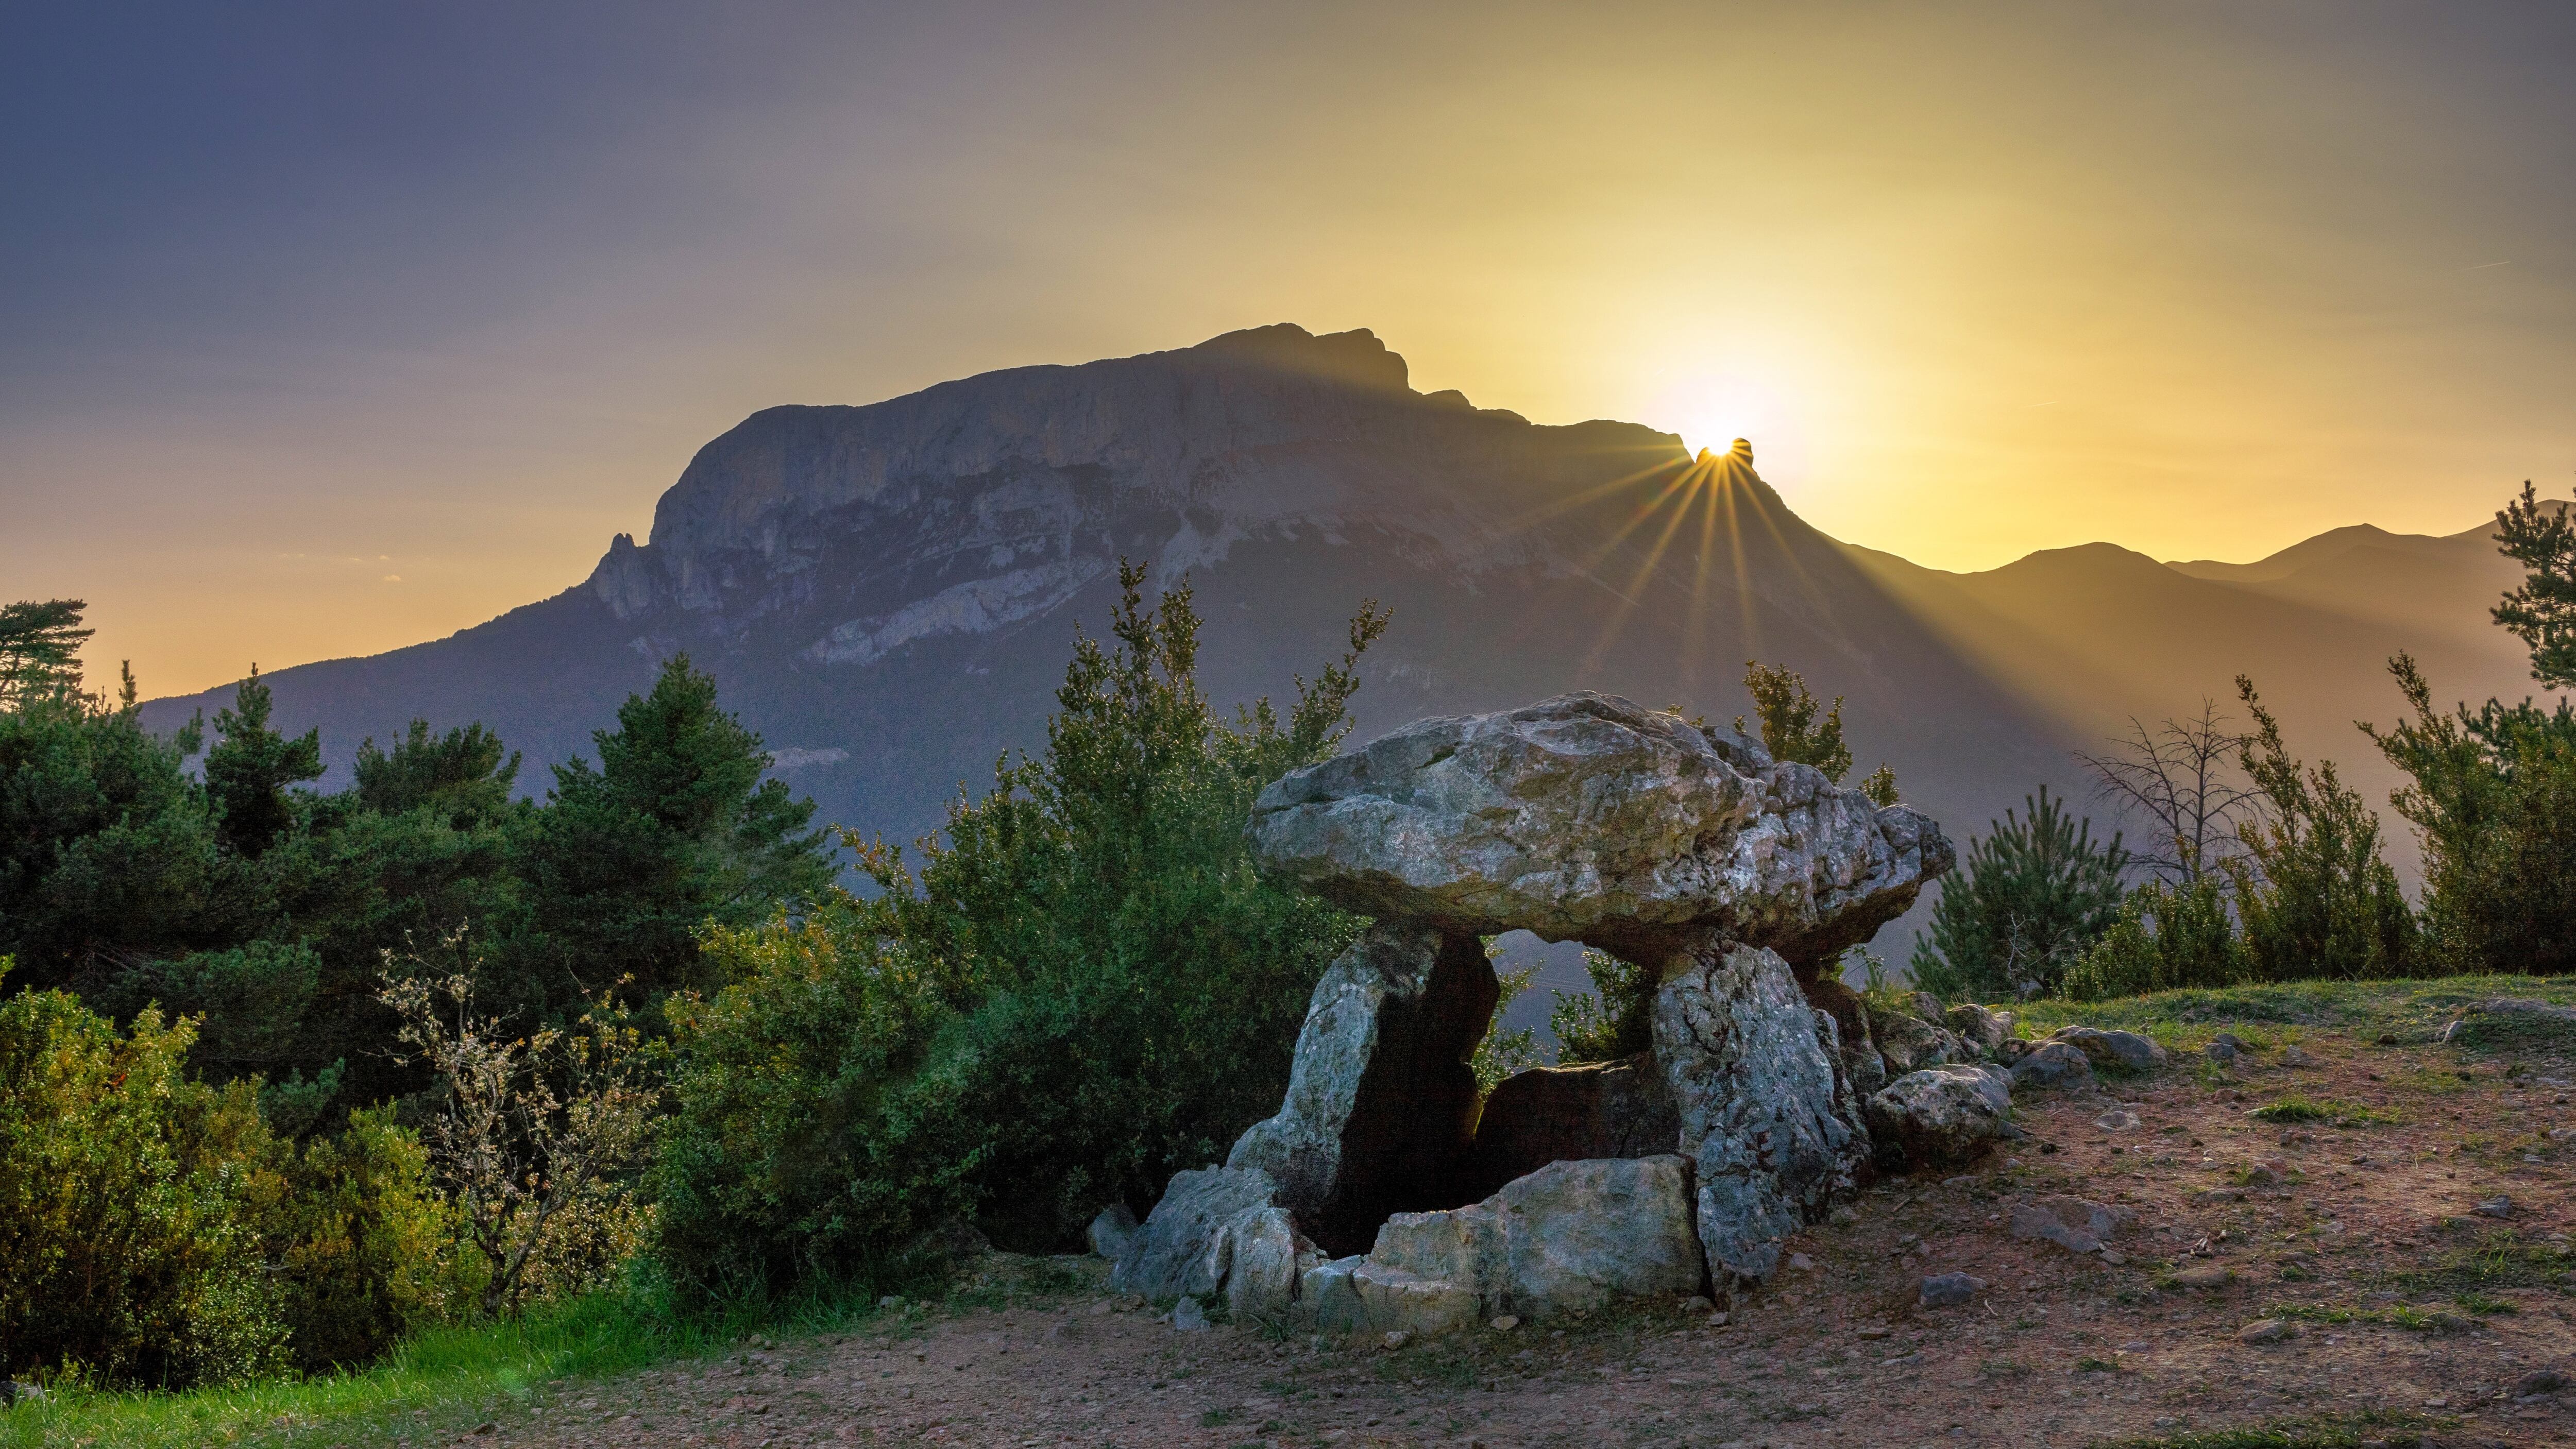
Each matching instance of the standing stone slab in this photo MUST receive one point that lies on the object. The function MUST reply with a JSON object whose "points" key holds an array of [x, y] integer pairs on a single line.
{"points": [[1770, 1126], [1381, 1102]]}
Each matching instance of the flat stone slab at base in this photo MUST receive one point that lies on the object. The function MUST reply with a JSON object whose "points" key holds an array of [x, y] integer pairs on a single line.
{"points": [[1572, 1235]]}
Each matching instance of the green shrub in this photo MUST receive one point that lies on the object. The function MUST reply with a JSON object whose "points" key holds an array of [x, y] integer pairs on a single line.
{"points": [[366, 1249], [2029, 900], [2313, 895], [129, 1202], [1616, 1021], [2492, 797], [815, 1132], [2166, 938], [1085, 988]]}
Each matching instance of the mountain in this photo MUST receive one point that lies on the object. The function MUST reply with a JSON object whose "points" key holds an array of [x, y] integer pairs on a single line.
{"points": [[888, 593]]}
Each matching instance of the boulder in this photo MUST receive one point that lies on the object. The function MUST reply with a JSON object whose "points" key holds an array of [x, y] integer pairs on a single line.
{"points": [[1112, 1231], [1942, 1117], [1565, 1114], [2118, 1050], [1908, 1043], [1985, 1030], [1209, 1219], [1381, 1102], [1767, 1122], [1948, 1290], [1585, 817], [2053, 1064]]}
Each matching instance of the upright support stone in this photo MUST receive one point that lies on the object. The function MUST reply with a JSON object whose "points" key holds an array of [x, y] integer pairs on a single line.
{"points": [[1381, 1102], [1771, 1130]]}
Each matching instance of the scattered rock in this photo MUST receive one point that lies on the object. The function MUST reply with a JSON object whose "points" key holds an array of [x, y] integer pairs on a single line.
{"points": [[2072, 1223], [18, 1391], [2118, 1119], [2223, 1048], [1189, 1316], [2205, 1277], [1985, 1030], [891, 1300], [2494, 1207], [2292, 1056], [2053, 1064], [1698, 1304], [1949, 1290], [2262, 1175], [1506, 1323], [2124, 1050], [1941, 1117], [1397, 1338], [1908, 1043], [1801, 1263], [488, 1426], [1112, 1232], [2541, 1381], [2264, 1330]]}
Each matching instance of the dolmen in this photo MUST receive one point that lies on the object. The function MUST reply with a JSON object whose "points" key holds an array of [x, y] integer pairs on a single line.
{"points": [[1386, 1195]]}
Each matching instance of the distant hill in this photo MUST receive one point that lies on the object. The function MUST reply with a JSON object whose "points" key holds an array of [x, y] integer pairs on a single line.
{"points": [[888, 593]]}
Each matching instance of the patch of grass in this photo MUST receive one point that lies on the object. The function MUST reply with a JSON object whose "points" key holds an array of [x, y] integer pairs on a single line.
{"points": [[2482, 1305], [445, 1381], [2321, 1431], [1215, 1418], [2090, 1365], [2398, 1315], [2500, 1260], [2299, 1107]]}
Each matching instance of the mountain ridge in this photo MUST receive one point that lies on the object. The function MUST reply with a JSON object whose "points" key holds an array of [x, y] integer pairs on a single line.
{"points": [[888, 591]]}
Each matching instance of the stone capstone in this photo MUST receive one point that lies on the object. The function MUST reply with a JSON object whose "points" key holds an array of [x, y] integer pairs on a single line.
{"points": [[1567, 1237], [1942, 1116], [1561, 1114], [1585, 817], [1771, 1131], [1381, 1103]]}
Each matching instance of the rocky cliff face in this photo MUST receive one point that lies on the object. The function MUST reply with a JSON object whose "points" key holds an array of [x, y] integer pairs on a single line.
{"points": [[977, 505]]}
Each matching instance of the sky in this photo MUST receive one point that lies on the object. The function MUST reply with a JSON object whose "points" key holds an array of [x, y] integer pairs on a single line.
{"points": [[326, 329]]}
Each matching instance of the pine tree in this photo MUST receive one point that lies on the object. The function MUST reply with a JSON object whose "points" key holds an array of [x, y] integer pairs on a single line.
{"points": [[250, 768], [2027, 903]]}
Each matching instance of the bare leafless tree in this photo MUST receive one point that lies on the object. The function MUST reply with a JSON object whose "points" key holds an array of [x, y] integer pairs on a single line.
{"points": [[536, 1133], [2182, 776]]}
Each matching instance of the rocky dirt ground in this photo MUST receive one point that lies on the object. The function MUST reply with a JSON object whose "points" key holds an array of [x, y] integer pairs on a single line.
{"points": [[2314, 1252]]}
